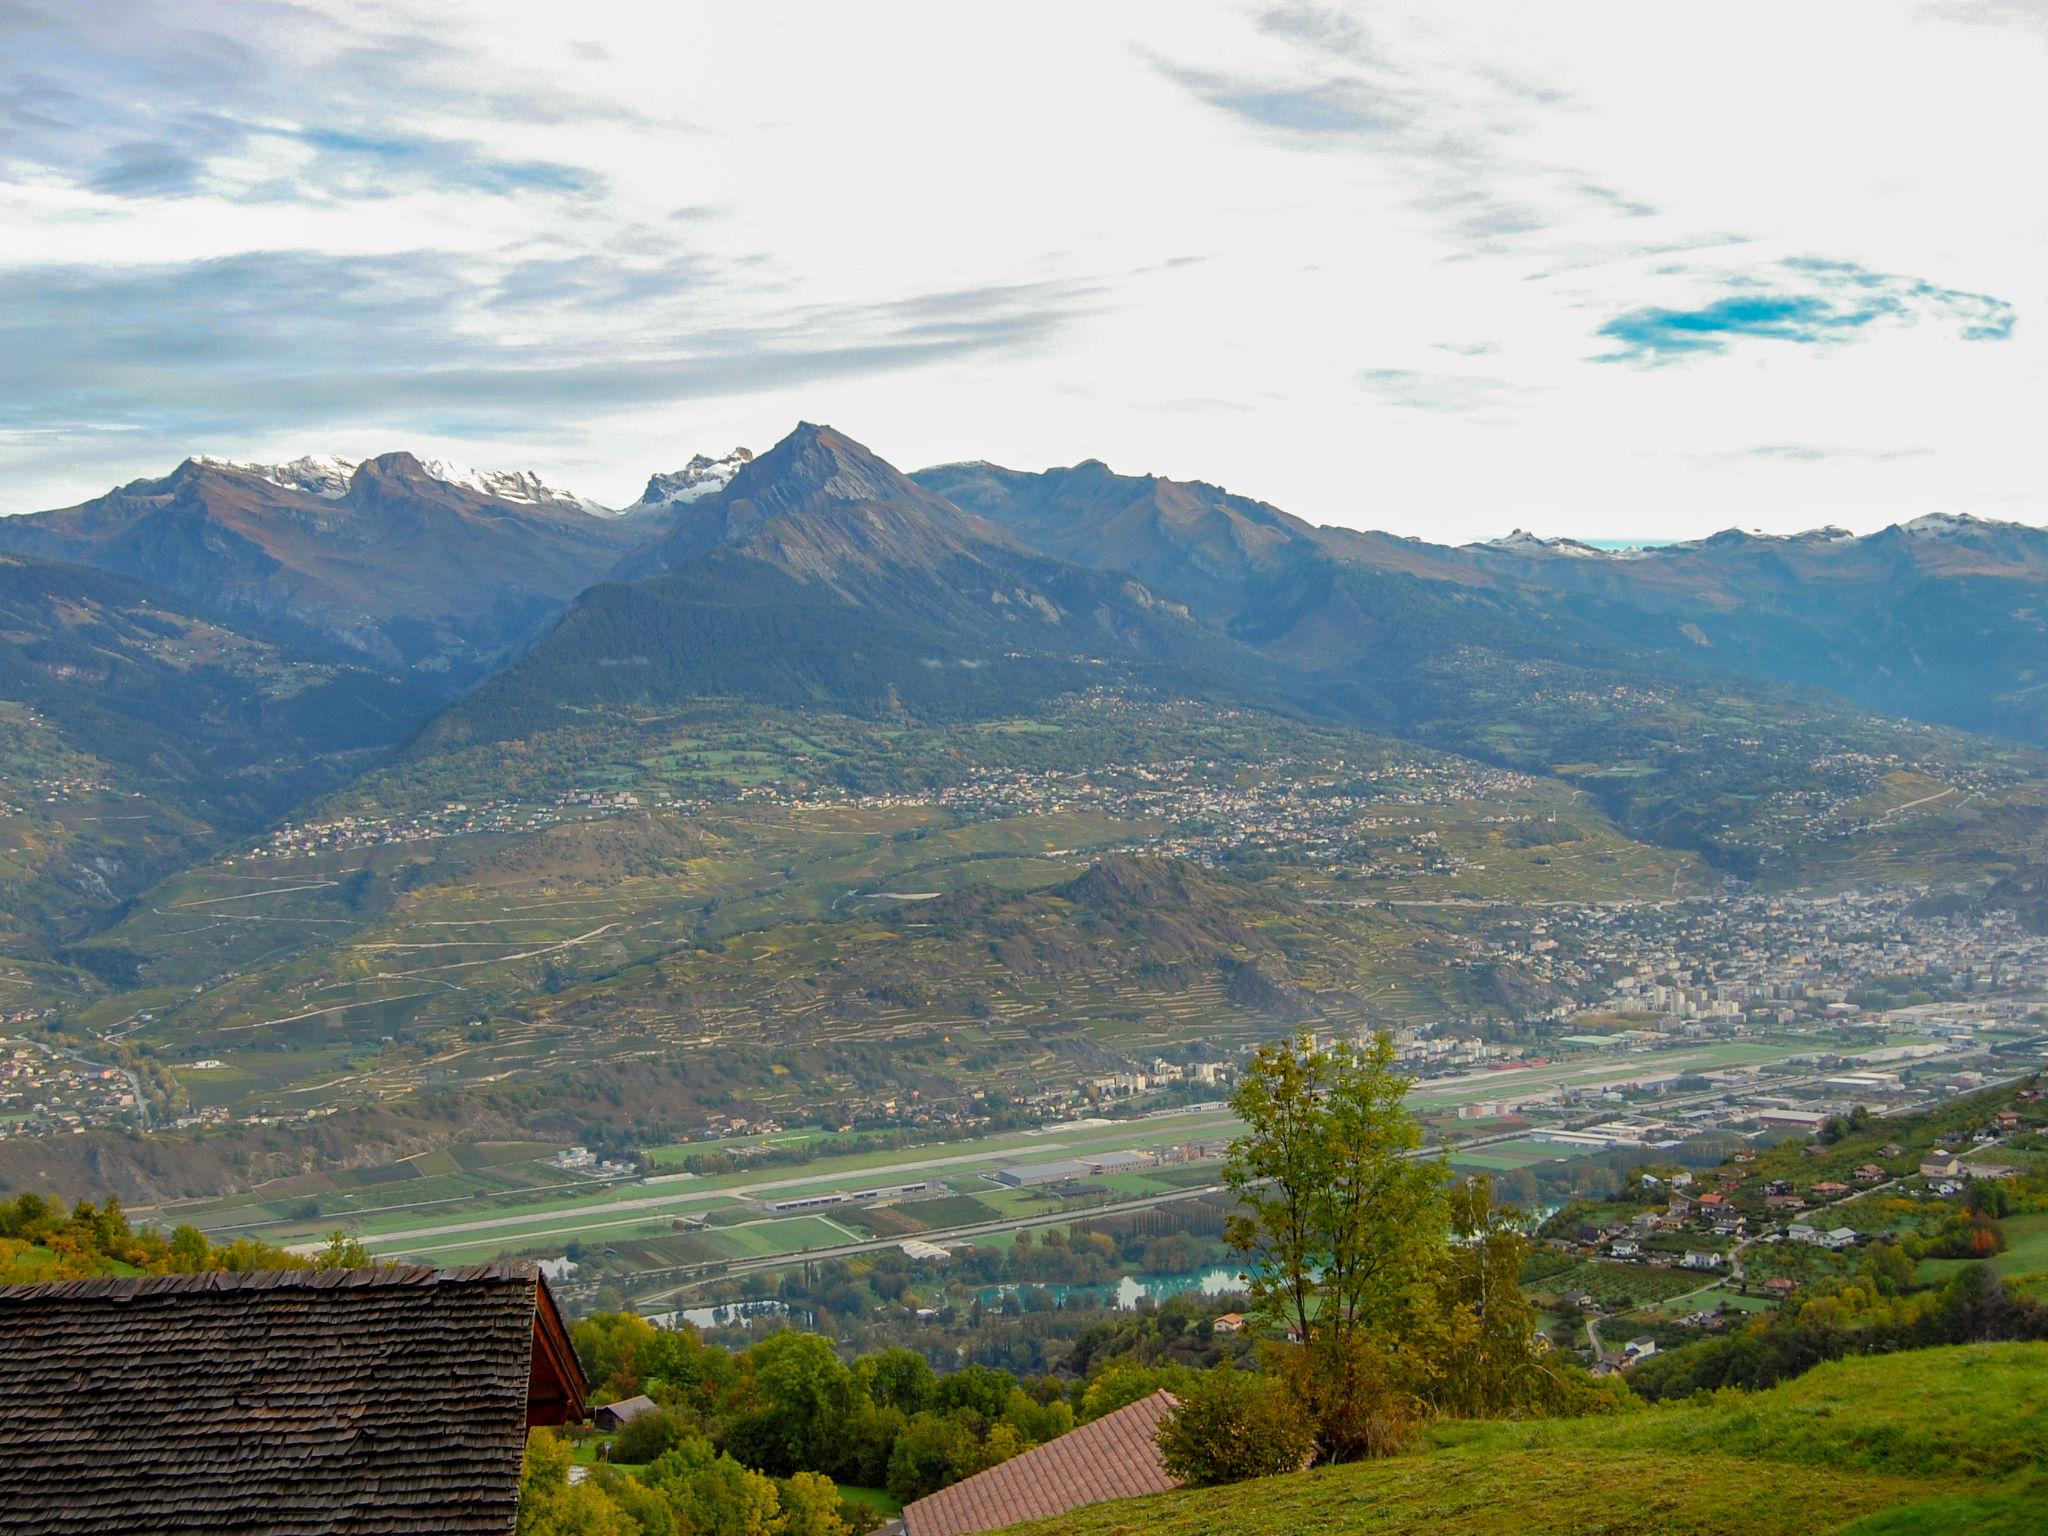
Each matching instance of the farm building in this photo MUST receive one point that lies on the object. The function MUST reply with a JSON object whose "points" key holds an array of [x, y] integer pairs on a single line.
{"points": [[618, 1415]]}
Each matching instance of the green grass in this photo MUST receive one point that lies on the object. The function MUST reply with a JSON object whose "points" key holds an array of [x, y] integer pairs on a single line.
{"points": [[876, 1499], [2026, 1251], [1944, 1440]]}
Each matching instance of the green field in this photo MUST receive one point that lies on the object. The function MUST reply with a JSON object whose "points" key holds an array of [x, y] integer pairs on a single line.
{"points": [[2025, 1258], [1936, 1441]]}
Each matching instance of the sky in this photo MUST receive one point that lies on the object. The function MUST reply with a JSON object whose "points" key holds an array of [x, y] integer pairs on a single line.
{"points": [[1616, 271]]}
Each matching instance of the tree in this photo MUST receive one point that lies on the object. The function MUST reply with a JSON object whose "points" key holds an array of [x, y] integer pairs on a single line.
{"points": [[1487, 1356], [1125, 1382], [1341, 1221], [811, 1507], [809, 1395], [713, 1495], [925, 1453], [1231, 1426], [897, 1378], [549, 1505]]}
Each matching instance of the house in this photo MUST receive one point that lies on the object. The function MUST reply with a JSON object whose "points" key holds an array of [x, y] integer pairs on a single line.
{"points": [[1115, 1457], [1229, 1322], [277, 1402], [1941, 1164], [1867, 1173], [618, 1415], [1828, 1189], [1626, 1250], [1698, 1259], [1838, 1239], [1781, 1285], [1639, 1349], [1802, 1232]]}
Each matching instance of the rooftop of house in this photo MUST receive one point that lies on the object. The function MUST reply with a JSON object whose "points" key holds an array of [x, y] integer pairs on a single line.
{"points": [[1113, 1457], [277, 1401]]}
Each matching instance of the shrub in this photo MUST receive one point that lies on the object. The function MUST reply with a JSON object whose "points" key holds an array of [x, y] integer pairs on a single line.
{"points": [[1231, 1426], [645, 1438]]}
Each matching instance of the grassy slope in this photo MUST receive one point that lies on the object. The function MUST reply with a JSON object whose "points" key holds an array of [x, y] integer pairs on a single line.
{"points": [[1938, 1440]]}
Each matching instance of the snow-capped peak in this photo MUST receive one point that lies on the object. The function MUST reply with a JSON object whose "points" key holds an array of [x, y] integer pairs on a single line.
{"points": [[522, 487], [328, 475], [1522, 542], [702, 476], [323, 474]]}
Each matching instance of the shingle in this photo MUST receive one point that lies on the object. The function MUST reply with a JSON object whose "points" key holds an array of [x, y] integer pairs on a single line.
{"points": [[265, 1404], [1115, 1457]]}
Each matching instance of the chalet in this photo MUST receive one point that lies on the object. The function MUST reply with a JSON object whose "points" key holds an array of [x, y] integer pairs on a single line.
{"points": [[1781, 1285], [1229, 1322], [1114, 1457], [1828, 1189], [618, 1415], [277, 1403], [1867, 1173]]}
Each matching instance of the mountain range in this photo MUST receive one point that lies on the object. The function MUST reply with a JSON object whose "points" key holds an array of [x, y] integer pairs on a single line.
{"points": [[150, 632]]}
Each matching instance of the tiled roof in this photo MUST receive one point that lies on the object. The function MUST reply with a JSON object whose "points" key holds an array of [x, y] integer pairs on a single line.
{"points": [[307, 1402], [1115, 1457]]}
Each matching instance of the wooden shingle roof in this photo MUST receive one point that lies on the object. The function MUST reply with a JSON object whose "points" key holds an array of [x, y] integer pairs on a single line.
{"points": [[285, 1401], [1114, 1457]]}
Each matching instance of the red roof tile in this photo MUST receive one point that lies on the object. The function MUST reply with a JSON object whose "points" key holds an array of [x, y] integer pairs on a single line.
{"points": [[1115, 1457]]}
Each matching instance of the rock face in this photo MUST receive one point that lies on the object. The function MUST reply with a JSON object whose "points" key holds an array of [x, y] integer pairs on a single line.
{"points": [[390, 559]]}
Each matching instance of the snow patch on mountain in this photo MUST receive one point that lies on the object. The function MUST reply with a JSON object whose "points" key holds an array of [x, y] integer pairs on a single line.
{"points": [[1937, 525]]}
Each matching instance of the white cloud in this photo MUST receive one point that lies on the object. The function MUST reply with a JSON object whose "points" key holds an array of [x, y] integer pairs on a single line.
{"points": [[1354, 260]]}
